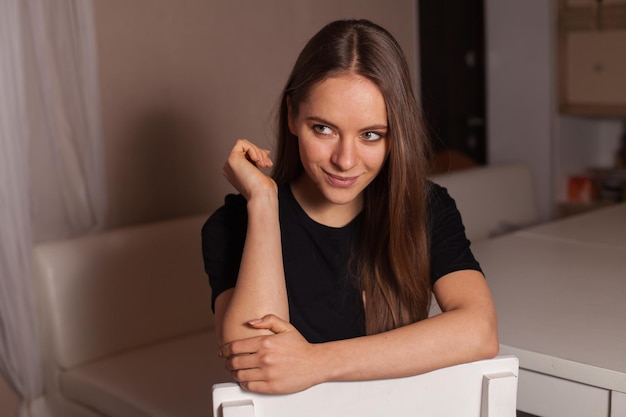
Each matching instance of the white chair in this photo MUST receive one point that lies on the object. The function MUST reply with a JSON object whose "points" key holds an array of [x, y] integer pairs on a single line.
{"points": [[478, 389], [492, 199]]}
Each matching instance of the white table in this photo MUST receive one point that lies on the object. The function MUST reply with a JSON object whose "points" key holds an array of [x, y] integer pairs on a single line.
{"points": [[606, 226], [560, 293]]}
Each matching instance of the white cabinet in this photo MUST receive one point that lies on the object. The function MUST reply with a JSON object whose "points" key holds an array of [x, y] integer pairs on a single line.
{"points": [[592, 57], [596, 74], [618, 404], [548, 396]]}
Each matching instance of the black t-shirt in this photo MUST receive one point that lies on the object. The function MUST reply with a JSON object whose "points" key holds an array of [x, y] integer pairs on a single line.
{"points": [[324, 301]]}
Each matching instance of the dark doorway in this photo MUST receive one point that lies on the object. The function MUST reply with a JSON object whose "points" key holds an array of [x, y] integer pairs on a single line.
{"points": [[452, 67]]}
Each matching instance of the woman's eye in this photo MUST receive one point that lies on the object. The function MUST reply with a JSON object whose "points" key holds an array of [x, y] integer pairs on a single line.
{"points": [[323, 130], [372, 136]]}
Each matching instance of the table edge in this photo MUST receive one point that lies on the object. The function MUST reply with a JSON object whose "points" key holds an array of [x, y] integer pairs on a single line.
{"points": [[563, 368]]}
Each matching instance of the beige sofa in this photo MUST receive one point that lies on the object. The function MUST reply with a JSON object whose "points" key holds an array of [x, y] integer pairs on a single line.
{"points": [[127, 323], [493, 199]]}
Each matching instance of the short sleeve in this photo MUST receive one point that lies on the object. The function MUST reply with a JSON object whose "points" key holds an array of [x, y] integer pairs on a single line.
{"points": [[223, 238], [449, 247]]}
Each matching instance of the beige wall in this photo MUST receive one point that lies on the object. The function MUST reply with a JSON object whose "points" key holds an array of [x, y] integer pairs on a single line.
{"points": [[181, 80]]}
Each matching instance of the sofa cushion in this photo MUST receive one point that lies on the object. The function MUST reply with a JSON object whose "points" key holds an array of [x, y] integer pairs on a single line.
{"points": [[117, 290], [171, 379], [492, 199]]}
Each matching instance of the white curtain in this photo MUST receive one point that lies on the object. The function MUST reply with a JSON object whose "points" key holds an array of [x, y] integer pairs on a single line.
{"points": [[19, 354], [51, 177], [68, 195]]}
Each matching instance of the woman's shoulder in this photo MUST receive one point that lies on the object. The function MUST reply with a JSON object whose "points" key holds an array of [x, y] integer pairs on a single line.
{"points": [[233, 204], [441, 209], [438, 197], [449, 246], [232, 213]]}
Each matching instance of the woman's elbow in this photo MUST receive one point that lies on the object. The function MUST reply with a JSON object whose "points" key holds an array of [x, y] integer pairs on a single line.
{"points": [[489, 344], [491, 347]]}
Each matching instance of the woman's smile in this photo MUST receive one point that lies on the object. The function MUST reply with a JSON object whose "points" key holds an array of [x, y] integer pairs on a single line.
{"points": [[341, 181]]}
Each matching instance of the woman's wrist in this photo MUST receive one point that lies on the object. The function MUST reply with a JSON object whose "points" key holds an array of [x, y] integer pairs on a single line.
{"points": [[326, 362], [263, 199]]}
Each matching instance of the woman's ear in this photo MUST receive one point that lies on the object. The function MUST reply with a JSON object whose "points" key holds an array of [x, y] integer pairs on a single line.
{"points": [[290, 122]]}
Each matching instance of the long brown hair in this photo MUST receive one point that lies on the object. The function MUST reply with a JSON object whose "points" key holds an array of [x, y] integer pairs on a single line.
{"points": [[393, 259]]}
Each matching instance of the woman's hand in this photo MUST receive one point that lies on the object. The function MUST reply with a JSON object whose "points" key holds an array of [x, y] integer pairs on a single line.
{"points": [[242, 169], [276, 364]]}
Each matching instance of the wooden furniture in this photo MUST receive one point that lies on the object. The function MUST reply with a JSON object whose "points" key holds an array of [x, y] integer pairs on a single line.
{"points": [[478, 389], [560, 293], [592, 57]]}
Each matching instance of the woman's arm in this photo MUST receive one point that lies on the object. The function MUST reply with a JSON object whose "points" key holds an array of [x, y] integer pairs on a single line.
{"points": [[260, 288], [466, 331]]}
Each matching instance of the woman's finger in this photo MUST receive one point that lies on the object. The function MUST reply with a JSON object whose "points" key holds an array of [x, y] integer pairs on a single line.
{"points": [[271, 322], [240, 347], [253, 153], [245, 361]]}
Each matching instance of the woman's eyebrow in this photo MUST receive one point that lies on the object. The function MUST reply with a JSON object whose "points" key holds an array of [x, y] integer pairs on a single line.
{"points": [[375, 127], [320, 120]]}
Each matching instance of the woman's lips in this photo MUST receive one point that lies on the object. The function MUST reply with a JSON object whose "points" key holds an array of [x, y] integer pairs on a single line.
{"points": [[341, 182]]}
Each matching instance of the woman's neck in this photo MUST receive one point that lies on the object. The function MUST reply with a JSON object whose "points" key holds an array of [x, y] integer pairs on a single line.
{"points": [[318, 208]]}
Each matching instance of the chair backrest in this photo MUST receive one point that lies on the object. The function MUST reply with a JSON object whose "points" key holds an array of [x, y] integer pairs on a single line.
{"points": [[478, 389], [492, 199]]}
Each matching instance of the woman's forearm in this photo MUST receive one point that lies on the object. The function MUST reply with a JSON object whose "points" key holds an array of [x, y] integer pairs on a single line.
{"points": [[465, 332], [260, 288], [449, 339]]}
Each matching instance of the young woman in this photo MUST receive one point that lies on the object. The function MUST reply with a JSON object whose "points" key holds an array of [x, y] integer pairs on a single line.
{"points": [[325, 270]]}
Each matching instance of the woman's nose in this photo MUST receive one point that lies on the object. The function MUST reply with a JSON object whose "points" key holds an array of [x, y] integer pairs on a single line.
{"points": [[345, 154]]}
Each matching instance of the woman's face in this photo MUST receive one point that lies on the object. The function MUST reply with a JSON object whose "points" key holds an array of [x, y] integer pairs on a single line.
{"points": [[342, 137]]}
